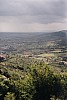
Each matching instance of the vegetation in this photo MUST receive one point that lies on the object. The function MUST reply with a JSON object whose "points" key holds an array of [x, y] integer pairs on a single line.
{"points": [[30, 79], [34, 67]]}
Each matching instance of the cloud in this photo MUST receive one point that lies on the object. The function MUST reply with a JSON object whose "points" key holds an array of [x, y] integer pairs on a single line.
{"points": [[18, 13], [11, 26], [32, 7]]}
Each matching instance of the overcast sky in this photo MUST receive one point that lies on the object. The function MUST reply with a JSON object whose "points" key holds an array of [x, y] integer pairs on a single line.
{"points": [[33, 15]]}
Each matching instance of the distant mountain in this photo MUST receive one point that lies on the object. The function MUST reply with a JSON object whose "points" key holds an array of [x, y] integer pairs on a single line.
{"points": [[54, 36], [65, 31]]}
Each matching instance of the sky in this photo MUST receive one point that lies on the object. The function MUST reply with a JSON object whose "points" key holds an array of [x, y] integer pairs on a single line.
{"points": [[33, 15]]}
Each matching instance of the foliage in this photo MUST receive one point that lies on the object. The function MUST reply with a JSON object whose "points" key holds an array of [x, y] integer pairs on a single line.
{"points": [[30, 79]]}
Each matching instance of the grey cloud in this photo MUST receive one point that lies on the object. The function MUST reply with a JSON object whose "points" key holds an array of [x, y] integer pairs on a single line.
{"points": [[30, 19], [37, 11], [27, 7]]}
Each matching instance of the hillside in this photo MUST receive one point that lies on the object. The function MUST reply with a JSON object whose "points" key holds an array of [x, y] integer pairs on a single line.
{"points": [[32, 42], [33, 66], [31, 79]]}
